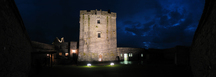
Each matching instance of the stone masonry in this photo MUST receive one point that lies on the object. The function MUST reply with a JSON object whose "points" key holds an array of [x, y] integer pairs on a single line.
{"points": [[97, 36]]}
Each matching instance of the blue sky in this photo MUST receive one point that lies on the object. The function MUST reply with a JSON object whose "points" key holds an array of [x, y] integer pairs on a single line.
{"points": [[140, 23]]}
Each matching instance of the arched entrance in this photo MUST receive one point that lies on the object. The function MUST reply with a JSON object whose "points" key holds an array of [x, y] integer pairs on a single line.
{"points": [[100, 58]]}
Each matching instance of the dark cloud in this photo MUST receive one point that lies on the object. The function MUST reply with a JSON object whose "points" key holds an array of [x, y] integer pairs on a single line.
{"points": [[147, 26], [164, 21], [138, 28], [129, 9], [174, 34]]}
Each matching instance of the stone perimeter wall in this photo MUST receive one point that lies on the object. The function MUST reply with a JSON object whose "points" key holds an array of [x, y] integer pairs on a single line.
{"points": [[203, 48], [15, 45], [90, 46]]}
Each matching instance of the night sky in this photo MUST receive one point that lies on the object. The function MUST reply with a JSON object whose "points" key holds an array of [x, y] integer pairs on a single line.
{"points": [[140, 23]]}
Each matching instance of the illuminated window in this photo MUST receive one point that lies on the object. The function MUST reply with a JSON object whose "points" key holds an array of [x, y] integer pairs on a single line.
{"points": [[47, 54], [121, 55], [66, 54], [98, 21], [130, 54], [99, 35], [60, 54], [141, 55]]}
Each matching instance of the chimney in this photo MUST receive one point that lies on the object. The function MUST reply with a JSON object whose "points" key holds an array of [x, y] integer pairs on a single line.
{"points": [[109, 11]]}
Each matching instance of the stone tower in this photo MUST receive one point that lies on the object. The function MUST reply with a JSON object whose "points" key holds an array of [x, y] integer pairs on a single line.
{"points": [[97, 41]]}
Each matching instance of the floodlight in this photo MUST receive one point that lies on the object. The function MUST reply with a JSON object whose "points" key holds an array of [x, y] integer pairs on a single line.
{"points": [[111, 64], [88, 64]]}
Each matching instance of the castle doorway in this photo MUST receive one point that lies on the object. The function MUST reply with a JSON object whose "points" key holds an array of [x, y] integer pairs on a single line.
{"points": [[100, 58], [125, 57]]}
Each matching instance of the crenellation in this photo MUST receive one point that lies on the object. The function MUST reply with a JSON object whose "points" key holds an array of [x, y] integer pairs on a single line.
{"points": [[98, 13]]}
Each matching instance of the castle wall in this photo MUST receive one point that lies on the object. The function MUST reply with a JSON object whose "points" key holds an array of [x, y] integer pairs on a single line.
{"points": [[90, 45]]}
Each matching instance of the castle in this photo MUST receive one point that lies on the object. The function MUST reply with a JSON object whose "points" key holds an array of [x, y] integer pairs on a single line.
{"points": [[97, 41]]}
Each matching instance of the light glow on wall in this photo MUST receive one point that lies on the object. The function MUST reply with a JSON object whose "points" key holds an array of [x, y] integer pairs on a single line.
{"points": [[60, 53], [126, 62], [66, 54], [61, 40], [47, 54], [74, 51], [88, 64], [141, 55]]}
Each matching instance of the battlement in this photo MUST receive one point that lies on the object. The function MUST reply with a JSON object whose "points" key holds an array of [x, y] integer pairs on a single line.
{"points": [[97, 12]]}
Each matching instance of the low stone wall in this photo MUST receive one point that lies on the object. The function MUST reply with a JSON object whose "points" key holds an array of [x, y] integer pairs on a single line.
{"points": [[136, 52], [182, 55]]}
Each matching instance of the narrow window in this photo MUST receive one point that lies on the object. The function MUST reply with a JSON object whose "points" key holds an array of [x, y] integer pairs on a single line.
{"points": [[121, 55], [141, 55], [98, 21], [99, 35]]}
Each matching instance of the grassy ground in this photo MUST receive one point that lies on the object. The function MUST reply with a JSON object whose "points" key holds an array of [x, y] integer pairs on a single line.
{"points": [[118, 70]]}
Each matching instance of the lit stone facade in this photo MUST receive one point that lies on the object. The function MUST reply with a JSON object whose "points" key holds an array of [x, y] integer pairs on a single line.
{"points": [[97, 41]]}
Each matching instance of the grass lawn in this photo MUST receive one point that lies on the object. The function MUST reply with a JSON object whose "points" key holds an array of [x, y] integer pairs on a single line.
{"points": [[118, 70]]}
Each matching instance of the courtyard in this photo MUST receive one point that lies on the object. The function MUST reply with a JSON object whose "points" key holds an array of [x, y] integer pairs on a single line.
{"points": [[120, 69]]}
